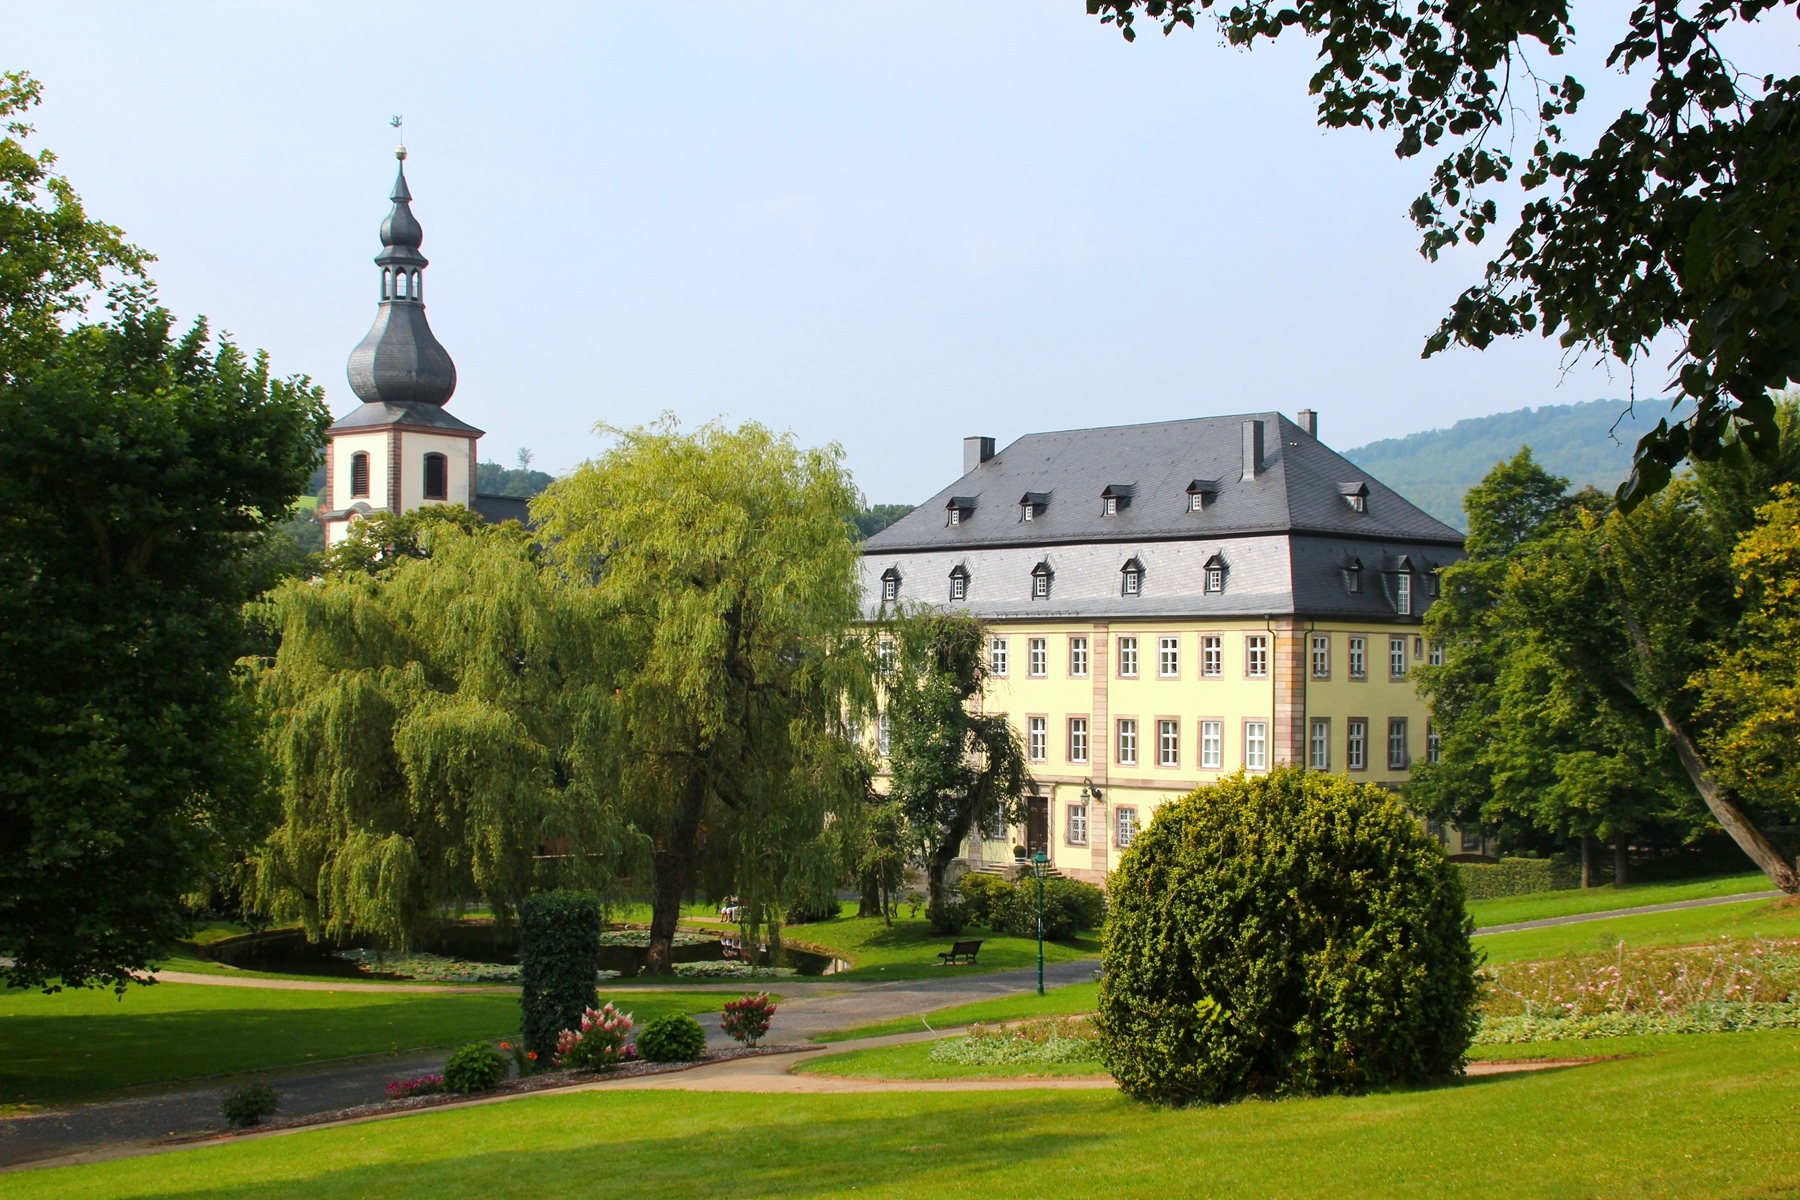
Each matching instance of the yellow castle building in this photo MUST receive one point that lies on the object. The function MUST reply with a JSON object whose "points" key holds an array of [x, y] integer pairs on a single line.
{"points": [[1172, 602]]}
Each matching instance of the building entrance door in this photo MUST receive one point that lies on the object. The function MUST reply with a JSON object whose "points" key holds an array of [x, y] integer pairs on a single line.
{"points": [[1037, 825]]}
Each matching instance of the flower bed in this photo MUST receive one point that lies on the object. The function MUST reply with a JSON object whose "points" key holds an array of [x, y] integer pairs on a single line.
{"points": [[730, 970], [1716, 987]]}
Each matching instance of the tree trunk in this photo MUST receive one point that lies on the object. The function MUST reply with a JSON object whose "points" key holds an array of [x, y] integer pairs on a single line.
{"points": [[1587, 860], [871, 904], [1621, 859], [1734, 820], [673, 866], [1764, 853]]}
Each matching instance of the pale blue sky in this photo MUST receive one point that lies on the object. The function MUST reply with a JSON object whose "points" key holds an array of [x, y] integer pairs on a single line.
{"points": [[886, 225]]}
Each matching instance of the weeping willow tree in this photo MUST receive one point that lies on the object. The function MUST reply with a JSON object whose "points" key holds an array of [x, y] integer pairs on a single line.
{"points": [[725, 566], [436, 712]]}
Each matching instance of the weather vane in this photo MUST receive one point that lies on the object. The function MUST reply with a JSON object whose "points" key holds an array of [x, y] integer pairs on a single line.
{"points": [[400, 150]]}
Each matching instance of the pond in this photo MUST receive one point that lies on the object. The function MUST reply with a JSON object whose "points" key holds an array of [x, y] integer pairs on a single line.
{"points": [[623, 951]]}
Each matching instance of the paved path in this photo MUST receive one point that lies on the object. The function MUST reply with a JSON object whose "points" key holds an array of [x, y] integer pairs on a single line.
{"points": [[1675, 906], [147, 1120]]}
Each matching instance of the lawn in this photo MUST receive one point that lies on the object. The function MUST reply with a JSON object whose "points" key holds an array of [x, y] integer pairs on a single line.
{"points": [[1697, 1118], [79, 1045], [913, 1061], [1075, 998], [909, 949], [1752, 918], [1540, 905]]}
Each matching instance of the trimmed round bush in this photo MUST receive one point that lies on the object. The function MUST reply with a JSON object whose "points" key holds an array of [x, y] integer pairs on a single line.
{"points": [[1290, 933], [246, 1106], [674, 1038], [476, 1067]]}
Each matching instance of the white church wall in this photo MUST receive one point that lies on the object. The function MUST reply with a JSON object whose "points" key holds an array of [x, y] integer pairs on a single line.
{"points": [[413, 449]]}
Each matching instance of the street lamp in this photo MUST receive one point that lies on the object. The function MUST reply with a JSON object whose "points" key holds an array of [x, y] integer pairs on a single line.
{"points": [[1040, 870]]}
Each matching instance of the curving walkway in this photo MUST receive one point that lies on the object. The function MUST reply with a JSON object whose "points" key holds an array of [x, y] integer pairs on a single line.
{"points": [[1641, 910], [172, 1117]]}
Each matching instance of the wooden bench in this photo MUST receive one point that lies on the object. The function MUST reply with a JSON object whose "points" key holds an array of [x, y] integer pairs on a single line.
{"points": [[963, 950]]}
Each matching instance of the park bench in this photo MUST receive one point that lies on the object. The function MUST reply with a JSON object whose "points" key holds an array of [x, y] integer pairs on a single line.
{"points": [[963, 950]]}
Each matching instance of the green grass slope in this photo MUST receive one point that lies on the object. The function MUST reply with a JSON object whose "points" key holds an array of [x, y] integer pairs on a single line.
{"points": [[1588, 443], [1689, 1118]]}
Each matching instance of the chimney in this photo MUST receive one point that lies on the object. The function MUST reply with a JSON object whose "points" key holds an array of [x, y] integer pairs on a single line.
{"points": [[976, 450], [1309, 421], [1253, 448]]}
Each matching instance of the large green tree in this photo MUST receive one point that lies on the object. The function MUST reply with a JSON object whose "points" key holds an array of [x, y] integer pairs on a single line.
{"points": [[724, 563], [1577, 638], [435, 712], [1683, 216], [951, 767]]}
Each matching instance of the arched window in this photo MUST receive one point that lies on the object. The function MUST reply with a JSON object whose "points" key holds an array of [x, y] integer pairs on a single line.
{"points": [[437, 477], [415, 285], [400, 292], [359, 474], [387, 284]]}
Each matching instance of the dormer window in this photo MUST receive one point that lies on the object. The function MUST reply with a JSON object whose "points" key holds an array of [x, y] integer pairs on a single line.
{"points": [[890, 585], [1114, 498], [1355, 494], [1403, 593], [1131, 578], [1040, 581], [1201, 493], [1431, 580], [1109, 506], [960, 509], [1352, 574], [1215, 574], [959, 582], [1032, 505]]}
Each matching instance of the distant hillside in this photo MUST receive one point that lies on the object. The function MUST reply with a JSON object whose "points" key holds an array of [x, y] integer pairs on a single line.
{"points": [[1578, 441]]}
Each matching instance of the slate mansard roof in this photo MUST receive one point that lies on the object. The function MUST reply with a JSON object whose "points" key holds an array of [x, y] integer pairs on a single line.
{"points": [[1288, 536]]}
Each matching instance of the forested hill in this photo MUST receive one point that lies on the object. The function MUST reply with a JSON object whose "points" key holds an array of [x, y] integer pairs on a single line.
{"points": [[1579, 441]]}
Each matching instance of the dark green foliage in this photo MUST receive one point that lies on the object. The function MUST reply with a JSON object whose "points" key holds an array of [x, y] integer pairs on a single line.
{"points": [[1295, 932], [141, 476], [673, 1038], [1589, 444], [983, 896], [947, 917], [246, 1106], [1070, 906], [559, 952], [492, 479], [810, 912], [476, 1067], [877, 517], [1679, 216], [1517, 877]]}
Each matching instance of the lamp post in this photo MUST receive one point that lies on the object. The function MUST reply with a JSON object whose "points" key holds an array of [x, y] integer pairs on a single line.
{"points": [[1040, 867]]}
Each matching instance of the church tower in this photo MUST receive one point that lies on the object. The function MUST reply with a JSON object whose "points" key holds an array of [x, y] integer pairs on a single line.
{"points": [[400, 450]]}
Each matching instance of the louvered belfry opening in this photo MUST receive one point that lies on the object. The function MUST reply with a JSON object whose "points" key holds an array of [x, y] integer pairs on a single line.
{"points": [[437, 477], [359, 474]]}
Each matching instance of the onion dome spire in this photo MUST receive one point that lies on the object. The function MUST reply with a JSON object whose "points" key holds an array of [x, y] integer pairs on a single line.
{"points": [[401, 361]]}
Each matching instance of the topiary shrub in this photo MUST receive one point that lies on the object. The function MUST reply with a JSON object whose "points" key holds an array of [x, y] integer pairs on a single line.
{"points": [[246, 1106], [559, 952], [476, 1067], [674, 1038], [1295, 932]]}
